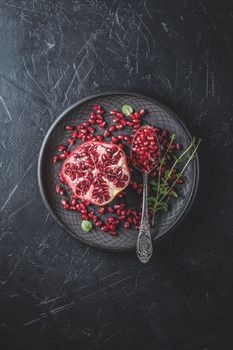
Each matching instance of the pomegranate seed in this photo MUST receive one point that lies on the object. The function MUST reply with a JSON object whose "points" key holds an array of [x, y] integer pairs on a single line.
{"points": [[73, 202], [67, 206], [98, 223], [142, 112], [120, 115], [99, 138], [69, 127], [113, 233], [121, 137], [84, 217], [56, 159], [91, 129], [96, 107], [71, 141], [82, 206], [90, 137], [133, 212], [111, 210], [95, 218], [112, 128], [63, 155], [116, 120], [121, 145], [130, 123], [100, 111], [178, 146], [92, 121], [120, 127], [114, 139], [115, 222], [111, 227], [64, 201], [102, 210], [78, 207], [122, 217], [127, 225], [134, 185], [75, 135], [61, 148], [102, 125], [104, 228], [123, 122], [99, 121], [61, 192], [111, 219], [130, 220], [113, 112], [107, 133], [58, 189]]}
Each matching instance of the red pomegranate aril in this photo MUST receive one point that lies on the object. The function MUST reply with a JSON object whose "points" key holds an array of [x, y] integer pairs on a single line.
{"points": [[130, 220], [96, 107], [61, 192], [107, 133], [134, 185], [98, 223], [69, 127], [75, 135], [114, 139], [111, 219], [121, 137], [121, 145], [122, 217], [78, 207], [127, 225], [111, 210], [56, 159], [100, 111], [178, 146], [116, 120], [73, 202], [104, 228], [58, 188], [102, 125], [66, 207], [99, 138], [61, 148], [118, 211], [92, 121], [84, 217], [71, 141], [115, 222], [129, 123], [64, 201], [123, 122], [133, 212], [90, 137], [112, 233], [95, 218], [113, 112], [84, 211], [111, 227], [63, 155], [142, 112], [99, 121], [112, 128], [120, 127], [102, 210], [127, 212], [120, 115], [91, 129]]}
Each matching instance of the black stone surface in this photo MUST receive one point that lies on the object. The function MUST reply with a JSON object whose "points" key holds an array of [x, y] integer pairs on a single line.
{"points": [[56, 293]]}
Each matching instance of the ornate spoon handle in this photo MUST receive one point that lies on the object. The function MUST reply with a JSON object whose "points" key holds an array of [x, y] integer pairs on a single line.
{"points": [[144, 246]]}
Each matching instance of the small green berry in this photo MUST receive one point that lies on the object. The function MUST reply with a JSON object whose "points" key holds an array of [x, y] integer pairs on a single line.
{"points": [[86, 225]]}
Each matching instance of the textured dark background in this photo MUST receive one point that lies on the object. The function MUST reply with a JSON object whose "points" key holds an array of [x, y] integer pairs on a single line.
{"points": [[56, 293]]}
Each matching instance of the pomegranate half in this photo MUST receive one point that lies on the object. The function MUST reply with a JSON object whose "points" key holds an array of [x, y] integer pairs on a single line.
{"points": [[96, 172]]}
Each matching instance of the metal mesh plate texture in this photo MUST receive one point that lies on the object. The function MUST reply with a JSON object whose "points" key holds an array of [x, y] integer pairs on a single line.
{"points": [[156, 115]]}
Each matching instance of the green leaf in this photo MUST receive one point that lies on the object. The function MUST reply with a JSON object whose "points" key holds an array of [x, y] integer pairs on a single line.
{"points": [[86, 225], [127, 110], [173, 194]]}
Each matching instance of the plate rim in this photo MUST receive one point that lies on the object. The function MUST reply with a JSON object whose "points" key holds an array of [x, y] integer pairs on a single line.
{"points": [[179, 220]]}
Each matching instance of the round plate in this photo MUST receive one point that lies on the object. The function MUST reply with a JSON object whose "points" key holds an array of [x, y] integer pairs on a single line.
{"points": [[156, 115]]}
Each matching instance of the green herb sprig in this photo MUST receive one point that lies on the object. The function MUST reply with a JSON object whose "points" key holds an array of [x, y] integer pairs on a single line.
{"points": [[164, 186]]}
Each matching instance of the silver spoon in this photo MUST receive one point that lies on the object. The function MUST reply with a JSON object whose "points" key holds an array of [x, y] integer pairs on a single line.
{"points": [[144, 247]]}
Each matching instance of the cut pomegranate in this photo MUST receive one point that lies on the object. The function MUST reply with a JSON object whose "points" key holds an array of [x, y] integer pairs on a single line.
{"points": [[96, 172]]}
